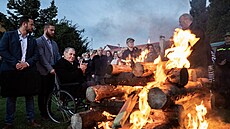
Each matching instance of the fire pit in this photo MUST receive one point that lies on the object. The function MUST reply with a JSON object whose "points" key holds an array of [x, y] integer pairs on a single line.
{"points": [[158, 95]]}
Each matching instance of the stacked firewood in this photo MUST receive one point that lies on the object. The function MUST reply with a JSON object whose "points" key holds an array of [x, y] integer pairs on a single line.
{"points": [[120, 96]]}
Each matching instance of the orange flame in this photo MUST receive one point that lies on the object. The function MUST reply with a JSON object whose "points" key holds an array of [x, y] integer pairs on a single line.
{"points": [[199, 121], [177, 55], [142, 56], [140, 118]]}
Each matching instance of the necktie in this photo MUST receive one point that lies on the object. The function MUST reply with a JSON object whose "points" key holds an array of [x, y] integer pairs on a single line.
{"points": [[51, 49]]}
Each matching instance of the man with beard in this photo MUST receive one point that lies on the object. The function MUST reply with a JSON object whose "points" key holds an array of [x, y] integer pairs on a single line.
{"points": [[19, 76], [49, 55]]}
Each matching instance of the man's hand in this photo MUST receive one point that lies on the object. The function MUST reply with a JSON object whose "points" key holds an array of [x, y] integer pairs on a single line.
{"points": [[52, 71], [223, 62], [21, 65]]}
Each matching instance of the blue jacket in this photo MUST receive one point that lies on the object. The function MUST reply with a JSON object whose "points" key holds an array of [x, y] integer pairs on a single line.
{"points": [[10, 50]]}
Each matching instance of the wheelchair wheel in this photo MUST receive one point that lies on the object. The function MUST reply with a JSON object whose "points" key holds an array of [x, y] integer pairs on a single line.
{"points": [[60, 106], [81, 105]]}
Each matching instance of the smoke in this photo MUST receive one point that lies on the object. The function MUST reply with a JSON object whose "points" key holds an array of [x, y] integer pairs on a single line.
{"points": [[137, 19]]}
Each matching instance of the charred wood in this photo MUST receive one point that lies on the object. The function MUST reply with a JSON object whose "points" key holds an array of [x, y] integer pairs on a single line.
{"points": [[128, 79], [99, 92], [87, 119], [165, 95]]}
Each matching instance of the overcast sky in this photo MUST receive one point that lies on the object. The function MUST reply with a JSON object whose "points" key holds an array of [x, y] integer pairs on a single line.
{"points": [[113, 21]]}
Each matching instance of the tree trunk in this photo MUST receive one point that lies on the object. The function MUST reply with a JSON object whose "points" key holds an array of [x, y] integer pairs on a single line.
{"points": [[99, 92], [128, 79], [178, 76], [116, 69], [112, 106], [165, 95], [87, 119]]}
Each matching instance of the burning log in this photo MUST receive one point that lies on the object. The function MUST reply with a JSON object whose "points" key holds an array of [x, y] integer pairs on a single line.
{"points": [[125, 111], [107, 105], [128, 79], [87, 119], [116, 69], [141, 69], [178, 76], [164, 96], [166, 119], [99, 92]]}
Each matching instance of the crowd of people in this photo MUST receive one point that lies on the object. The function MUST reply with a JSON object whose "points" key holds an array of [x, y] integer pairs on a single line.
{"points": [[29, 65]]}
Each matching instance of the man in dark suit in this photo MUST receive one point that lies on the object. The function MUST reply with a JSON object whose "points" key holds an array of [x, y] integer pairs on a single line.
{"points": [[49, 55], [19, 76]]}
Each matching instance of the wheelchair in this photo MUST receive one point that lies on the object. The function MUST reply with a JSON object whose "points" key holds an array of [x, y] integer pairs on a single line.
{"points": [[61, 105]]}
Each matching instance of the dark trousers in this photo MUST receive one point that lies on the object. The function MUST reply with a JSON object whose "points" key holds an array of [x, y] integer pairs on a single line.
{"points": [[11, 108], [47, 85]]}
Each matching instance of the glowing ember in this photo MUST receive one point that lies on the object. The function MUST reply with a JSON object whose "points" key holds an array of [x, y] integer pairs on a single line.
{"points": [[140, 118], [199, 121], [106, 125], [142, 56], [177, 55]]}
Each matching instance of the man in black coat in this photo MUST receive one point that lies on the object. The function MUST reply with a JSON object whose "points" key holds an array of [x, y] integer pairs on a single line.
{"points": [[99, 65], [68, 71], [200, 57]]}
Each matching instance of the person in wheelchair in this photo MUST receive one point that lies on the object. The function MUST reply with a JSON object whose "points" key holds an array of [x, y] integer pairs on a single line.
{"points": [[68, 71]]}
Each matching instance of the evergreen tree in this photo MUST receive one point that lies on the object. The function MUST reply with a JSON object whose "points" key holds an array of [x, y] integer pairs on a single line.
{"points": [[46, 15], [199, 12], [67, 35], [18, 8], [5, 24], [219, 19]]}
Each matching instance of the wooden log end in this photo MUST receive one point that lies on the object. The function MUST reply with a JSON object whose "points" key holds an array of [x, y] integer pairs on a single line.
{"points": [[90, 94], [138, 69], [157, 98], [76, 122]]}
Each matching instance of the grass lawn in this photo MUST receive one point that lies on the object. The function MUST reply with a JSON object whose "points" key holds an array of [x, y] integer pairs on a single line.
{"points": [[20, 121]]}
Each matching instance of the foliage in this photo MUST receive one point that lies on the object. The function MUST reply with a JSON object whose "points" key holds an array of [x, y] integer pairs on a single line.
{"points": [[219, 19], [199, 12], [5, 24], [67, 35], [18, 8], [46, 15]]}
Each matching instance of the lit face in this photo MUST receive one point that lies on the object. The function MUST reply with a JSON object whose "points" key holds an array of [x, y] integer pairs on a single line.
{"points": [[184, 23], [227, 39], [70, 55], [115, 55], [29, 26], [130, 44], [50, 31], [151, 48], [108, 54], [99, 52]]}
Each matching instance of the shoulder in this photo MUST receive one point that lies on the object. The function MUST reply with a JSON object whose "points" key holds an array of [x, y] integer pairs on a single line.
{"points": [[39, 40], [8, 33]]}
